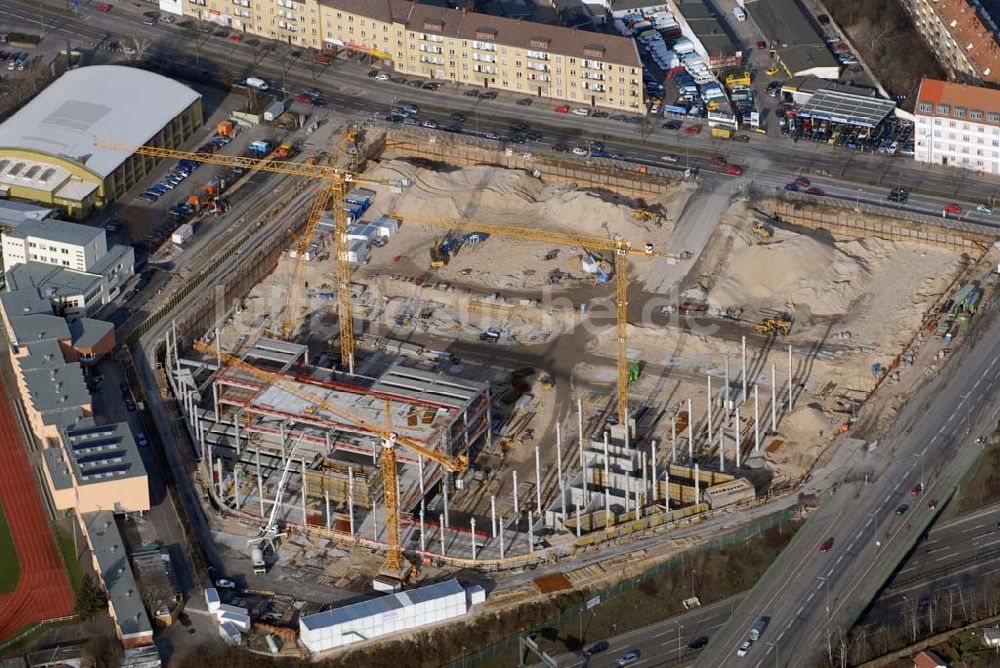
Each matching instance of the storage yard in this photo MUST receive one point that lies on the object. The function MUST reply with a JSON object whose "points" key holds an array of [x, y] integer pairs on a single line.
{"points": [[484, 362]]}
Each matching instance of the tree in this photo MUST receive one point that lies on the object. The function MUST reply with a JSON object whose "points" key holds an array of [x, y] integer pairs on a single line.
{"points": [[102, 651], [90, 598], [137, 47]]}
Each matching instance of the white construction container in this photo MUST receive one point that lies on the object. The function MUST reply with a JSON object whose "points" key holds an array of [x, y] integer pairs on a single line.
{"points": [[386, 226], [212, 600], [274, 111], [357, 251], [363, 231], [230, 634], [182, 234], [381, 616], [240, 622]]}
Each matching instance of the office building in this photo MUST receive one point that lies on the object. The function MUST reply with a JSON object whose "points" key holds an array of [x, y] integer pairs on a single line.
{"points": [[958, 125]]}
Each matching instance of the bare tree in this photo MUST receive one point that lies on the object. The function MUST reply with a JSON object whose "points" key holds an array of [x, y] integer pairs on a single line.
{"points": [[140, 45]]}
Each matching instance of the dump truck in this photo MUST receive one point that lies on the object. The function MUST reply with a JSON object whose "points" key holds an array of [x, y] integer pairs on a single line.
{"points": [[722, 133], [285, 150]]}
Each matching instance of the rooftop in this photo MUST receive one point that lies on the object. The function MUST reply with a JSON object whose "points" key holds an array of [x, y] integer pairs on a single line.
{"points": [[24, 302], [428, 387], [51, 280], [459, 24], [958, 101], [57, 467], [30, 329], [357, 611], [57, 388], [123, 592], [127, 104], [115, 254], [52, 229], [43, 355], [799, 45], [101, 453], [14, 213], [88, 332], [706, 27], [842, 107]]}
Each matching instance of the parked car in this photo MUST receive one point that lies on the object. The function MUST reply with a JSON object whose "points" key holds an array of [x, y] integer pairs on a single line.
{"points": [[672, 125], [488, 95], [223, 583], [984, 208], [524, 102], [693, 130], [581, 111], [579, 150], [457, 117], [919, 487], [952, 209], [562, 109], [902, 509], [411, 108]]}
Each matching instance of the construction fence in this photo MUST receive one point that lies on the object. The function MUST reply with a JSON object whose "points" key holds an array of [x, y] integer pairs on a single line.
{"points": [[839, 216], [628, 586], [622, 178]]}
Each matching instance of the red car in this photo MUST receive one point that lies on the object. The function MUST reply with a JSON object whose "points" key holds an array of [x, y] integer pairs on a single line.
{"points": [[323, 59], [825, 547], [562, 109], [103, 7], [817, 192], [717, 162], [919, 487], [734, 170], [953, 209], [761, 45], [302, 97], [235, 37], [692, 130], [803, 182]]}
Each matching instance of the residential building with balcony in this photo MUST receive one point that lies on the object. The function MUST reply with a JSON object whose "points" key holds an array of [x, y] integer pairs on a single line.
{"points": [[963, 34]]}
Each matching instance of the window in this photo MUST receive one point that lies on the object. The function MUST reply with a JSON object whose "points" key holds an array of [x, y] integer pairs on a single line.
{"points": [[976, 114], [942, 109], [959, 112], [993, 117]]}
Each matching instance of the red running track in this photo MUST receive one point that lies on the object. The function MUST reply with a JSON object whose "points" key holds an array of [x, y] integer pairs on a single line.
{"points": [[43, 590]]}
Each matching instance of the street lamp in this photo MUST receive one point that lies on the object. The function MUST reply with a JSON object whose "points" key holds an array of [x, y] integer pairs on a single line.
{"points": [[857, 201], [921, 456], [680, 627], [774, 646]]}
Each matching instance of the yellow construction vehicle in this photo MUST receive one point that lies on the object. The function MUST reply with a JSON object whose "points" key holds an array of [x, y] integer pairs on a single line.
{"points": [[643, 214], [774, 325], [762, 231]]}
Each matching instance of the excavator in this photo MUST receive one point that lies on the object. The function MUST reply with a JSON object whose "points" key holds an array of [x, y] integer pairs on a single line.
{"points": [[779, 325], [762, 231]]}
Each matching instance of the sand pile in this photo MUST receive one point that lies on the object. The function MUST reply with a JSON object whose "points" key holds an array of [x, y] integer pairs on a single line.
{"points": [[497, 195], [817, 275]]}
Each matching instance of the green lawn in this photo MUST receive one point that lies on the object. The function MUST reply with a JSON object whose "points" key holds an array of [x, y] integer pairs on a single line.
{"points": [[65, 541], [10, 569]]}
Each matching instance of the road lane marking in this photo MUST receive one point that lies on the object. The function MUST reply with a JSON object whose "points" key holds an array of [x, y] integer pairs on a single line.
{"points": [[829, 572], [810, 597], [869, 522], [887, 497], [850, 547], [840, 558], [946, 556], [799, 612]]}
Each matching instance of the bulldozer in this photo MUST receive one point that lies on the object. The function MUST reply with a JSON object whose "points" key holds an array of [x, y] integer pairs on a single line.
{"points": [[643, 214], [762, 231], [776, 325]]}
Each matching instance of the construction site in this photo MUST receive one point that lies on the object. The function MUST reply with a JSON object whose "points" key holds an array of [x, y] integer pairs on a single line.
{"points": [[533, 364]]}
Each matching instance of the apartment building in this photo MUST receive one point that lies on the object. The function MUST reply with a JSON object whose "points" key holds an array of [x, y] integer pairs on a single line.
{"points": [[958, 125], [962, 34], [451, 45], [54, 242]]}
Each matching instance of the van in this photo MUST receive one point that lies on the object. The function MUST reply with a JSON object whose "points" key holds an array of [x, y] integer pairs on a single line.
{"points": [[739, 14], [259, 84]]}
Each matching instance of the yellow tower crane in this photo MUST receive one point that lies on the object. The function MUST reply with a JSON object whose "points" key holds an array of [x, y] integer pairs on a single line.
{"points": [[621, 249], [335, 187], [394, 551]]}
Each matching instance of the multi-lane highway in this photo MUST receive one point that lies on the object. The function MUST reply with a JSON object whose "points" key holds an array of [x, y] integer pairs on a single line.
{"points": [[811, 594]]}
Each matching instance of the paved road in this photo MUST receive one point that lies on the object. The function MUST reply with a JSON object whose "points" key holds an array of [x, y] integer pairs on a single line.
{"points": [[808, 593], [917, 580], [771, 161]]}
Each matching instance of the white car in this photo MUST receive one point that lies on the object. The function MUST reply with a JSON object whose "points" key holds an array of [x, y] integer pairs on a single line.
{"points": [[670, 157], [581, 111], [381, 76], [225, 584], [580, 151], [744, 648]]}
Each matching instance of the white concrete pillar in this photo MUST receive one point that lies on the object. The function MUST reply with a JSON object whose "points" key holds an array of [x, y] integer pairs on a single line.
{"points": [[517, 509], [756, 420], [423, 529], [305, 496], [645, 480], [442, 541], [236, 431], [709, 401], [472, 524], [607, 477], [628, 492], [738, 449], [697, 483], [656, 485], [420, 472], [444, 490], [218, 470], [493, 515], [326, 503], [350, 499], [559, 472], [774, 399], [538, 480], [215, 400], [260, 484], [690, 432], [790, 383], [743, 376], [722, 453], [531, 534], [725, 400], [579, 520], [236, 489], [583, 470]]}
